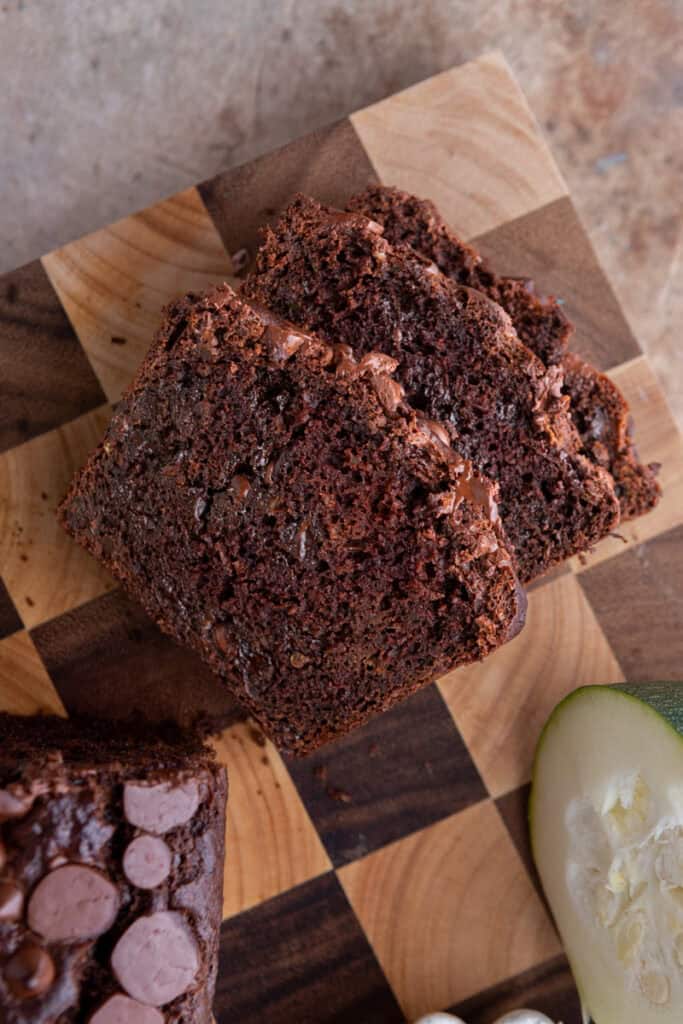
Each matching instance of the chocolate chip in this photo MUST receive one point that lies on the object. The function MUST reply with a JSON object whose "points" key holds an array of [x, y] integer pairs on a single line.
{"points": [[12, 806], [434, 430], [300, 539], [30, 972], [3, 856], [147, 862], [378, 362], [73, 902], [162, 807], [122, 1010], [240, 262], [241, 486], [11, 901], [283, 340], [156, 959], [224, 641], [389, 392]]}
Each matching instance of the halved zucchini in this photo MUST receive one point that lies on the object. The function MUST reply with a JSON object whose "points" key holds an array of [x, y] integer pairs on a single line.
{"points": [[606, 817]]}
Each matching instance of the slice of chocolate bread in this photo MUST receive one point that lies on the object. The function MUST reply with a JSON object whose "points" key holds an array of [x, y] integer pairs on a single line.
{"points": [[279, 508], [598, 407], [111, 873], [459, 360]]}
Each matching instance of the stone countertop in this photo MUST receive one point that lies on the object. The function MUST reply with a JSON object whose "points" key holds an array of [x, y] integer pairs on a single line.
{"points": [[107, 108]]}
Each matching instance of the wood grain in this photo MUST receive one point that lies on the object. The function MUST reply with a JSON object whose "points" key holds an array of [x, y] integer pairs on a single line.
{"points": [[45, 376], [658, 440], [513, 808], [45, 572], [449, 911], [301, 958], [500, 704], [551, 247], [9, 616], [272, 843], [114, 283], [25, 686], [106, 657], [405, 769], [243, 200], [638, 599], [468, 140], [549, 988]]}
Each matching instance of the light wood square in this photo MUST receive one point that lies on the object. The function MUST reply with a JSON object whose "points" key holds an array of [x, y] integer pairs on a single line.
{"points": [[466, 139], [114, 283], [658, 440], [450, 911], [271, 844], [500, 705], [25, 686], [45, 571]]}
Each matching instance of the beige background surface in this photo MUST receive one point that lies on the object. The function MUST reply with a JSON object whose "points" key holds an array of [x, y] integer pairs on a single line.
{"points": [[106, 107]]}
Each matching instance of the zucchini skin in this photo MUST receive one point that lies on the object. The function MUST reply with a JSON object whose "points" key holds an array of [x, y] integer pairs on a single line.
{"points": [[665, 698]]}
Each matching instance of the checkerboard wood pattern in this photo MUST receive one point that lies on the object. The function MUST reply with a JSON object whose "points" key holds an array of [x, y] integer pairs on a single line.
{"points": [[389, 874]]}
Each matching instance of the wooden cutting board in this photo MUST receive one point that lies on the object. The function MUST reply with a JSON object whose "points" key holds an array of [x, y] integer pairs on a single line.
{"points": [[388, 875]]}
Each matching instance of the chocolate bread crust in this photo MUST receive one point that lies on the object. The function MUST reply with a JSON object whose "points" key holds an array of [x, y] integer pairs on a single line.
{"points": [[603, 419], [90, 870], [540, 322], [459, 360], [278, 507], [598, 408]]}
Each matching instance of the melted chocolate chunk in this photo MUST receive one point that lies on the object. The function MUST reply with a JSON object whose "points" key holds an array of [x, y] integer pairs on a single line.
{"points": [[30, 972], [283, 342], [160, 808], [156, 959], [147, 862], [11, 901], [73, 903], [13, 805], [240, 486], [122, 1010]]}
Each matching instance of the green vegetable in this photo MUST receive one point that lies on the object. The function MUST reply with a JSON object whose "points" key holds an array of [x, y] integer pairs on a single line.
{"points": [[606, 817]]}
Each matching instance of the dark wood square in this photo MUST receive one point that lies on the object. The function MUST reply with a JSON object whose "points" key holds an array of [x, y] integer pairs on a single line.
{"points": [[108, 658], [46, 377], [551, 247], [637, 598], [330, 164], [549, 988], [404, 770], [9, 616], [301, 957]]}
